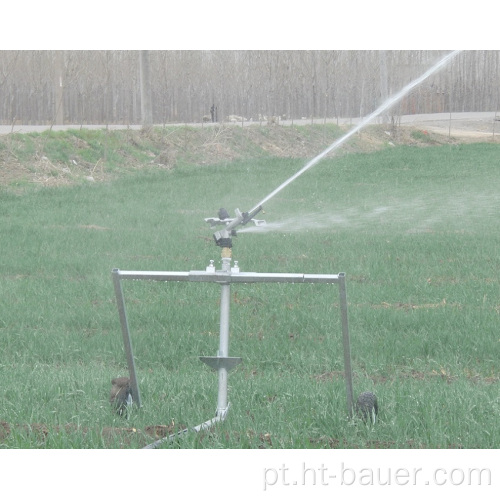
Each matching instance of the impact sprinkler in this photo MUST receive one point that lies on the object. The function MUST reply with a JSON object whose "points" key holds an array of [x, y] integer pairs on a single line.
{"points": [[225, 277], [223, 238], [366, 406]]}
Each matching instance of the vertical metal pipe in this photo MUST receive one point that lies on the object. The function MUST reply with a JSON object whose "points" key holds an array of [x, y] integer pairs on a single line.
{"points": [[134, 386], [225, 301], [346, 344]]}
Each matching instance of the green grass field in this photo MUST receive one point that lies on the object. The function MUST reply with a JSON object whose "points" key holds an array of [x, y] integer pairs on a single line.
{"points": [[416, 230]]}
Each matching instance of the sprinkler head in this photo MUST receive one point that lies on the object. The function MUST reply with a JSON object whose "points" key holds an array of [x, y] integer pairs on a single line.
{"points": [[223, 238]]}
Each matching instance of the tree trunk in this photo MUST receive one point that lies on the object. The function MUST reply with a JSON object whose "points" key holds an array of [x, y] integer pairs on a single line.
{"points": [[384, 91], [146, 100], [59, 88]]}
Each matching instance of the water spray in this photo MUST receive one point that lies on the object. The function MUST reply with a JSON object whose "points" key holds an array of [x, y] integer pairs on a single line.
{"points": [[224, 236], [384, 107]]}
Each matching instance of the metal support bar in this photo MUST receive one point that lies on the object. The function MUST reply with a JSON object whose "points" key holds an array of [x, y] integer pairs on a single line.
{"points": [[218, 276], [134, 386], [225, 301], [347, 345]]}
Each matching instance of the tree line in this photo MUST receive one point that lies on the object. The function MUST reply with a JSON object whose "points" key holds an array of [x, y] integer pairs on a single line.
{"points": [[104, 87]]}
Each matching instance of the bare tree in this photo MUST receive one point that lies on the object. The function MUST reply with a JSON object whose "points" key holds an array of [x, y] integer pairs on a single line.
{"points": [[384, 92], [146, 98], [59, 87], [122, 86]]}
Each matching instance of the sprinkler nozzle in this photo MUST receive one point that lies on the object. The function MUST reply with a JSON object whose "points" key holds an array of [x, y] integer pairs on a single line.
{"points": [[248, 216]]}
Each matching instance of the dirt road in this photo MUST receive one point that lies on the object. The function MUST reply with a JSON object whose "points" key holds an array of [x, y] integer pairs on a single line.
{"points": [[458, 124]]}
